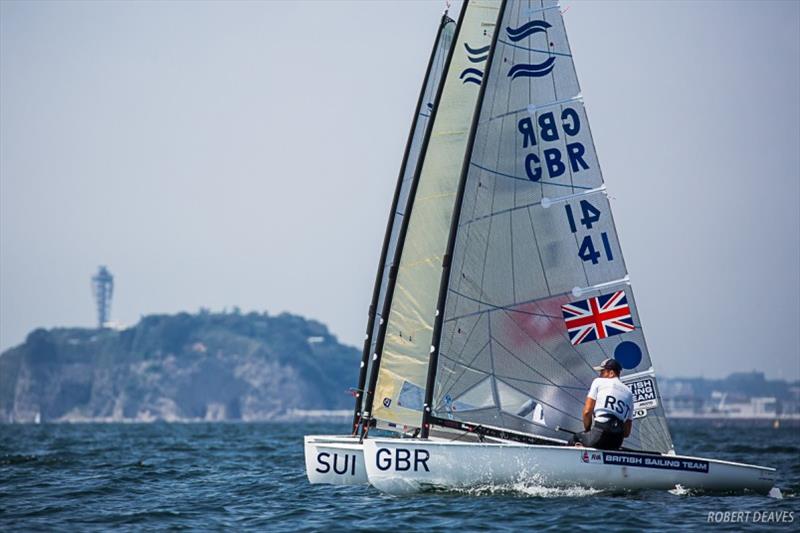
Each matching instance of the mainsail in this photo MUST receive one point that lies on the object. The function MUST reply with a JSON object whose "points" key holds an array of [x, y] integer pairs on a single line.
{"points": [[536, 291], [403, 339], [402, 198]]}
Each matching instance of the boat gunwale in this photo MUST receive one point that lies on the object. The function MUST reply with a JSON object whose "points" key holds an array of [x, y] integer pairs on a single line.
{"points": [[418, 442]]}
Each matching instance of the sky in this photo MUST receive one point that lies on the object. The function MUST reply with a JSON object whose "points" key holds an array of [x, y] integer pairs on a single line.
{"points": [[245, 154]]}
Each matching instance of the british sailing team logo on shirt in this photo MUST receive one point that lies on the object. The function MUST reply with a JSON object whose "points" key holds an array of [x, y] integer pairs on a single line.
{"points": [[598, 318]]}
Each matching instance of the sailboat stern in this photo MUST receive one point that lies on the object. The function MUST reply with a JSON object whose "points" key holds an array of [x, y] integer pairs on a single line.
{"points": [[334, 460]]}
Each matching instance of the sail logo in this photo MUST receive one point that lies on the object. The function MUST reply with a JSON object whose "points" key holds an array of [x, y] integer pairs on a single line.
{"points": [[644, 393], [474, 55], [598, 318], [527, 29], [530, 70], [592, 457]]}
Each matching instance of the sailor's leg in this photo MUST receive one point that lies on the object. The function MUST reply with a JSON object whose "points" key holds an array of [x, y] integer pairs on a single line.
{"points": [[591, 438]]}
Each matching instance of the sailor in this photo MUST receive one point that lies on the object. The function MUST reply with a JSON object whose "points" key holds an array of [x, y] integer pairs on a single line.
{"points": [[608, 411]]}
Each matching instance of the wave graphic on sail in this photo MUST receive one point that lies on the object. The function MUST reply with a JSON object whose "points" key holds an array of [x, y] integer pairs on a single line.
{"points": [[534, 26], [474, 55], [532, 71], [471, 75]]}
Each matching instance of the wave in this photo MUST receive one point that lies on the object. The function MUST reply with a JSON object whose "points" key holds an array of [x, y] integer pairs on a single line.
{"points": [[535, 71], [529, 28]]}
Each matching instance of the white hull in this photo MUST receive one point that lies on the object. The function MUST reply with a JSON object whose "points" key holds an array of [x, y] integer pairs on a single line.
{"points": [[412, 465], [334, 460]]}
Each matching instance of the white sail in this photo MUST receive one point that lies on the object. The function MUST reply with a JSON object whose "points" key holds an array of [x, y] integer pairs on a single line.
{"points": [[406, 344], [403, 199], [537, 292], [339, 459]]}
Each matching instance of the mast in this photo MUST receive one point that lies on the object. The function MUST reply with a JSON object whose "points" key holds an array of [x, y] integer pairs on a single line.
{"points": [[387, 301], [362, 375], [451, 239]]}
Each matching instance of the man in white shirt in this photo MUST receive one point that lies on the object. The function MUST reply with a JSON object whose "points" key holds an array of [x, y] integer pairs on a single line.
{"points": [[609, 404]]}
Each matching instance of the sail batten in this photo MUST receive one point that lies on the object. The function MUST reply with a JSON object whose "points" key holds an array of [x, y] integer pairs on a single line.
{"points": [[535, 291]]}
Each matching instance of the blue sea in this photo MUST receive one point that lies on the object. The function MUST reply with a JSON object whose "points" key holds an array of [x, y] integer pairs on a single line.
{"points": [[247, 476]]}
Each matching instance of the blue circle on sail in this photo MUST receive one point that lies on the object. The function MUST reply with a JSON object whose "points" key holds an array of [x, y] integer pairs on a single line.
{"points": [[628, 354]]}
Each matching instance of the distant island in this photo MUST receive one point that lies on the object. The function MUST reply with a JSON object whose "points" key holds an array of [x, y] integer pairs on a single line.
{"points": [[184, 367], [256, 367]]}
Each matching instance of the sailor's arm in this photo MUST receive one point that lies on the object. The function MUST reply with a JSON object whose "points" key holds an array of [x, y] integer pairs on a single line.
{"points": [[628, 427], [588, 409]]}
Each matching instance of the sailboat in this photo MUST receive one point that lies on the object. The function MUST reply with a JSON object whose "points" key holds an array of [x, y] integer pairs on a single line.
{"points": [[532, 293], [338, 459], [395, 353]]}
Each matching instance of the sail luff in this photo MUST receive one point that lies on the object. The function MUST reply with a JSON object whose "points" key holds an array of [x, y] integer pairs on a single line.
{"points": [[405, 347], [445, 279], [376, 291], [392, 279]]}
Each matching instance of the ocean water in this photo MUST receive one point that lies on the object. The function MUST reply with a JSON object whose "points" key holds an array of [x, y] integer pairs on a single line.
{"points": [[251, 476]]}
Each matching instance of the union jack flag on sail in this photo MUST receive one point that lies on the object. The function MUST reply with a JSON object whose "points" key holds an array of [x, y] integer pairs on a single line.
{"points": [[598, 318]]}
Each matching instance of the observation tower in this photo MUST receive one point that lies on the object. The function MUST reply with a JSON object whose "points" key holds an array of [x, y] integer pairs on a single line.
{"points": [[103, 288]]}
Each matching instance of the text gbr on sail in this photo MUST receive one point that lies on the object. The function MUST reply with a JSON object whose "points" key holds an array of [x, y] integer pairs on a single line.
{"points": [[547, 128]]}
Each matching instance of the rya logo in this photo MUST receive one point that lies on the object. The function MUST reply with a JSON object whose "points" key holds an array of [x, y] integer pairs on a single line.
{"points": [[534, 70], [474, 55], [591, 457]]}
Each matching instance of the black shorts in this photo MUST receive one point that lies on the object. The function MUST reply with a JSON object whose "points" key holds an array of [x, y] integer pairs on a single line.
{"points": [[603, 435]]}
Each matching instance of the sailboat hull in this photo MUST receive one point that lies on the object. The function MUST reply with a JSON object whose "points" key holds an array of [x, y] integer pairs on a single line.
{"points": [[334, 460], [407, 466]]}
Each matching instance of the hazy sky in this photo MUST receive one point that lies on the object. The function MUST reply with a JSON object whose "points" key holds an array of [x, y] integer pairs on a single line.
{"points": [[245, 154]]}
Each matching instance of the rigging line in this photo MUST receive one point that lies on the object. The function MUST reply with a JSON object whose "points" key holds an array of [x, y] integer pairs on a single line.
{"points": [[565, 413], [495, 393], [579, 380], [535, 10], [513, 378], [532, 108], [548, 52], [493, 382], [467, 366], [461, 352], [513, 273], [504, 307], [559, 363], [526, 179], [512, 354], [495, 307], [539, 252]]}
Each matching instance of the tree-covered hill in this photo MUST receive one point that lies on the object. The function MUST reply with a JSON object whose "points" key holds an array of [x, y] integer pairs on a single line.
{"points": [[213, 366]]}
